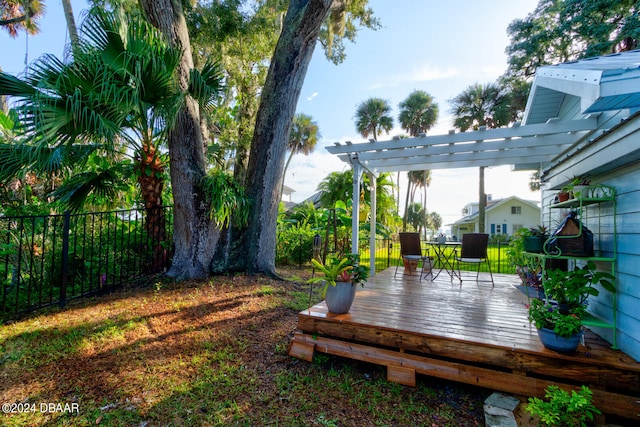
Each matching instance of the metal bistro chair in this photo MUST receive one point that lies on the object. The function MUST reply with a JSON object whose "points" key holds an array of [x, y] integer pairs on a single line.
{"points": [[411, 252], [474, 251]]}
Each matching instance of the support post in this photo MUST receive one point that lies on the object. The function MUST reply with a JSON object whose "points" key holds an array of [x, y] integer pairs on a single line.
{"points": [[355, 205], [372, 224]]}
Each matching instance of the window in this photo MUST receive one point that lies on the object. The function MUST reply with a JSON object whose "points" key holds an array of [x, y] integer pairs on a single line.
{"points": [[515, 227], [516, 210]]}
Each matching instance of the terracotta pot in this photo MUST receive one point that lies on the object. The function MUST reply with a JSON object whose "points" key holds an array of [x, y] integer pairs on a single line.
{"points": [[554, 342], [340, 297]]}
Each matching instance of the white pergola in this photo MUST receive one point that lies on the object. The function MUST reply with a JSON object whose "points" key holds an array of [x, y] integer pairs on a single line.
{"points": [[577, 91], [525, 147]]}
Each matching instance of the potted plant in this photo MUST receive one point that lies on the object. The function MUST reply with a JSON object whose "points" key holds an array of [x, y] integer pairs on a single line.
{"points": [[557, 330], [565, 193], [572, 288], [340, 277], [579, 182], [535, 238], [559, 322], [563, 408], [531, 276]]}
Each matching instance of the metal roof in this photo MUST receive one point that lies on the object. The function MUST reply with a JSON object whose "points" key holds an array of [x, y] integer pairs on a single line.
{"points": [[603, 83]]}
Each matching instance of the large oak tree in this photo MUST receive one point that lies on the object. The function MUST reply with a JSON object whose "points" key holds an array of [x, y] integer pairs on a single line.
{"points": [[250, 248]]}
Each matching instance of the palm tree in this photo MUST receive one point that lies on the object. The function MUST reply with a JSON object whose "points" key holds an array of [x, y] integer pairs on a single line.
{"points": [[372, 117], [302, 139], [17, 14], [477, 106], [418, 114], [116, 97], [335, 186], [339, 186], [416, 179], [415, 216]]}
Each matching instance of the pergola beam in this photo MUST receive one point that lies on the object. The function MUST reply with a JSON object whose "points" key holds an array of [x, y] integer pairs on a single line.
{"points": [[556, 142], [550, 128]]}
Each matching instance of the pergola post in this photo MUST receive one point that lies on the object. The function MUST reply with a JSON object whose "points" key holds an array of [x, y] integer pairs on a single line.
{"points": [[372, 223], [355, 205]]}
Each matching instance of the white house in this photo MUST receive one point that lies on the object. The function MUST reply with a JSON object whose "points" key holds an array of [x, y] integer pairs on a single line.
{"points": [[502, 216], [582, 118], [286, 196]]}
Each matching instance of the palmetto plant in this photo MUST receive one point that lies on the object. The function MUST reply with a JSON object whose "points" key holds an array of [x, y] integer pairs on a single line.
{"points": [[115, 99]]}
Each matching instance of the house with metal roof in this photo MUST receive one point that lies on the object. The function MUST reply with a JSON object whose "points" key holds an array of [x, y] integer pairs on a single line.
{"points": [[582, 119]]}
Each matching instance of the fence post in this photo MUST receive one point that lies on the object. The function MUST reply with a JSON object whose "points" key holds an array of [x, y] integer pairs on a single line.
{"points": [[65, 259]]}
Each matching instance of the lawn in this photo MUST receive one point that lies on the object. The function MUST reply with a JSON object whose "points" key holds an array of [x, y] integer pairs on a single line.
{"points": [[202, 354]]}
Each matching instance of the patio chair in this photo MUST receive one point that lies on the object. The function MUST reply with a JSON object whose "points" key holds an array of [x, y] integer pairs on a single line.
{"points": [[473, 251], [411, 254]]}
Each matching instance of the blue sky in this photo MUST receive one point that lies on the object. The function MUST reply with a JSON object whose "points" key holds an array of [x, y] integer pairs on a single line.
{"points": [[435, 46]]}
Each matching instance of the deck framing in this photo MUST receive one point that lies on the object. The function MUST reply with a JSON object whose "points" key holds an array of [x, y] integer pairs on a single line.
{"points": [[470, 333]]}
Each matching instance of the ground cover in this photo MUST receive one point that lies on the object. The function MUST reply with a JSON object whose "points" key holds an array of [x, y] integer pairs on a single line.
{"points": [[202, 354]]}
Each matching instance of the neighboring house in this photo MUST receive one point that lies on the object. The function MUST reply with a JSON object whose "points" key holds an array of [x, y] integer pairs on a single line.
{"points": [[286, 197], [581, 118], [502, 216]]}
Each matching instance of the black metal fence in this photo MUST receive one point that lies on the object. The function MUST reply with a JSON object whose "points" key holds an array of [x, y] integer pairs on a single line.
{"points": [[52, 259]]}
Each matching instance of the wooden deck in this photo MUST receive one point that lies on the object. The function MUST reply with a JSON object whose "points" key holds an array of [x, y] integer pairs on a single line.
{"points": [[473, 334]]}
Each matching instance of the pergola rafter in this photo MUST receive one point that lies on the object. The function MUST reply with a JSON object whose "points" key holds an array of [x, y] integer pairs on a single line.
{"points": [[486, 147]]}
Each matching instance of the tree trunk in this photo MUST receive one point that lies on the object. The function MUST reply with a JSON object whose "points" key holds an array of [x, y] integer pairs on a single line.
{"points": [[256, 252], [151, 185], [406, 204], [194, 235], [71, 22]]}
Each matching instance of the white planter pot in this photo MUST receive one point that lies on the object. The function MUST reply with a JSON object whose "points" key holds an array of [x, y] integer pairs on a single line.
{"points": [[340, 297]]}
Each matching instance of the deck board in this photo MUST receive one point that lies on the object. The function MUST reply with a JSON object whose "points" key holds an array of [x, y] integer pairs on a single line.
{"points": [[472, 333]]}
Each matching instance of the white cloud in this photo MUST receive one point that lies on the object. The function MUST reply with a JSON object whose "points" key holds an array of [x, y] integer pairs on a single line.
{"points": [[421, 73], [313, 95]]}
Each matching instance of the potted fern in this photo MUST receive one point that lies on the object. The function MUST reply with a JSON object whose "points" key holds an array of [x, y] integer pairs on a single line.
{"points": [[340, 277]]}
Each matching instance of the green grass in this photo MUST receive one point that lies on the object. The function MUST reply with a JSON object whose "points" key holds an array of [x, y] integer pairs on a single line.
{"points": [[390, 257], [211, 353]]}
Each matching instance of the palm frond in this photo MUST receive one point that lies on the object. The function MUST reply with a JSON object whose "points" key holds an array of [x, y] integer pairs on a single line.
{"points": [[206, 86], [15, 159], [105, 184], [13, 86]]}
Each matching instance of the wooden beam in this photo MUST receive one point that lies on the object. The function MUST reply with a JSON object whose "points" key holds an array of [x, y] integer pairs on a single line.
{"points": [[608, 402], [513, 145], [401, 375], [302, 349], [559, 127]]}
